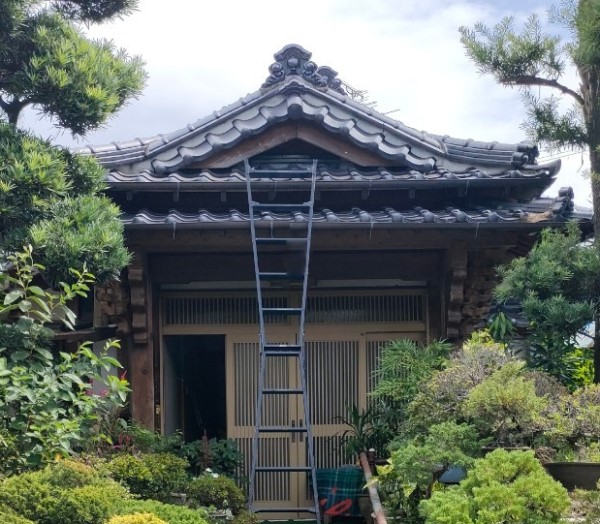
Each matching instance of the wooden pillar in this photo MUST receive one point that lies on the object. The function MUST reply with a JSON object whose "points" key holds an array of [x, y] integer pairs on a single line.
{"points": [[457, 259], [141, 358]]}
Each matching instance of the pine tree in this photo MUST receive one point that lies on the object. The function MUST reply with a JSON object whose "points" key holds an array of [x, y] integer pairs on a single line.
{"points": [[50, 198], [533, 60]]}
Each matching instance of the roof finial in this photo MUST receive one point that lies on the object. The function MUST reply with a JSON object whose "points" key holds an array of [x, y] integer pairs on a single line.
{"points": [[293, 59]]}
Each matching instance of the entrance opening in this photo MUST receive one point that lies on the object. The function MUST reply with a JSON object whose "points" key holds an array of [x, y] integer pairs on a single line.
{"points": [[194, 386]]}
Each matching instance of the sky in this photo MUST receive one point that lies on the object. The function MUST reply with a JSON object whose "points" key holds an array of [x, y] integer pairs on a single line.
{"points": [[201, 56]]}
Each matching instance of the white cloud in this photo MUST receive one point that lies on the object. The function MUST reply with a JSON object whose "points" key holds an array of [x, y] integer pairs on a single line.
{"points": [[203, 55]]}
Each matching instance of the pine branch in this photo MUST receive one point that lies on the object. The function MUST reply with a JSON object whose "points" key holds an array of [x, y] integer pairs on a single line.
{"points": [[529, 80]]}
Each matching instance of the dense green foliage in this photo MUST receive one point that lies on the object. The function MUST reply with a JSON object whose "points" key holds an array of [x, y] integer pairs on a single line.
{"points": [[506, 406], [415, 460], [402, 366], [47, 61], [440, 398], [48, 404], [171, 513], [168, 512], [537, 62], [507, 487], [41, 496], [216, 490], [556, 284], [220, 455], [153, 476], [137, 518], [49, 197]]}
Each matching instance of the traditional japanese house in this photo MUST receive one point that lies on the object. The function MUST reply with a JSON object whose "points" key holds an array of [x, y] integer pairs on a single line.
{"points": [[408, 228]]}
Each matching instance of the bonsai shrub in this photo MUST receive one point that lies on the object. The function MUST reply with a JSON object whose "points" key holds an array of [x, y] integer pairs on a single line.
{"points": [[439, 399], [417, 463], [170, 513], [137, 518], [152, 476], [507, 487], [506, 407], [574, 426], [211, 489], [416, 460]]}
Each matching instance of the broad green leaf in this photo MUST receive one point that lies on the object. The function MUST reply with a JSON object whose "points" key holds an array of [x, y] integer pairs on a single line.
{"points": [[12, 296]]}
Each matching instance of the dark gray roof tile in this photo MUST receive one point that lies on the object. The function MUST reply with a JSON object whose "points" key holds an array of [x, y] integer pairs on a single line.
{"points": [[236, 177], [546, 211]]}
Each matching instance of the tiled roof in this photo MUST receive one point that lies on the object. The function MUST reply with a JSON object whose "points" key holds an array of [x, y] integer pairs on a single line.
{"points": [[541, 210], [347, 175], [304, 91]]}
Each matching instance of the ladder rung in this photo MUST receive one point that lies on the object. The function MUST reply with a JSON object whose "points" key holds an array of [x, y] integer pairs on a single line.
{"points": [[284, 510], [279, 350], [282, 347], [282, 241], [280, 276], [282, 429], [270, 469], [281, 207], [283, 391], [282, 311]]}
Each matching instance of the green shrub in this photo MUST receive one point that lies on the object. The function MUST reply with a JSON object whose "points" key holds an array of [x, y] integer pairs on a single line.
{"points": [[586, 505], [70, 473], [507, 487], [30, 496], [168, 512], [83, 505], [47, 406], [8, 516], [74, 495], [246, 517], [131, 472], [416, 460], [152, 476], [168, 472], [440, 398], [137, 518], [216, 490], [506, 407]]}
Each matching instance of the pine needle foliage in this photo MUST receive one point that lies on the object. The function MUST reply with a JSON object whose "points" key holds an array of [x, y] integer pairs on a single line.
{"points": [[535, 61], [51, 198], [557, 285]]}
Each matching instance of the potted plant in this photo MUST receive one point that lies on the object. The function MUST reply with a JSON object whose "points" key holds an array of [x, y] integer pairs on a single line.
{"points": [[574, 437], [366, 430]]}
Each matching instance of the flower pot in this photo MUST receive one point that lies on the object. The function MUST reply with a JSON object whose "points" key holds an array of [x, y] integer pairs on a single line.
{"points": [[573, 475]]}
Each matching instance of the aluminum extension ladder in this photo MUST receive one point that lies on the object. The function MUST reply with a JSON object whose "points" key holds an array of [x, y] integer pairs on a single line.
{"points": [[290, 277]]}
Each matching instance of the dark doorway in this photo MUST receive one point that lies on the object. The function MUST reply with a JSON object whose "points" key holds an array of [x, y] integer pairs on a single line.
{"points": [[194, 382]]}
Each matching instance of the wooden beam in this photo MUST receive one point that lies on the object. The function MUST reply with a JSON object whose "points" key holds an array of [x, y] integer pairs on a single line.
{"points": [[235, 240]]}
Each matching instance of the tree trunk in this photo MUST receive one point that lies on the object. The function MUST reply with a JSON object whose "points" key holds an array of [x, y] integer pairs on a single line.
{"points": [[590, 90]]}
